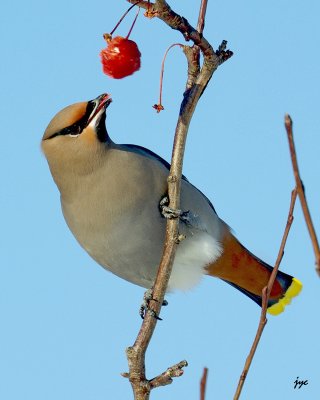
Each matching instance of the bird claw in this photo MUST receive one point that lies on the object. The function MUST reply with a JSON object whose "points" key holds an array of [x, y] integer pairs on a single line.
{"points": [[145, 306], [170, 213]]}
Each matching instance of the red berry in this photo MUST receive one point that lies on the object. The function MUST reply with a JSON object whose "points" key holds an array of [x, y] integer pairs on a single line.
{"points": [[121, 58]]}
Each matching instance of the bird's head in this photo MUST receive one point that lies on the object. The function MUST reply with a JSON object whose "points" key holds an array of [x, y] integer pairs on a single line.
{"points": [[76, 137]]}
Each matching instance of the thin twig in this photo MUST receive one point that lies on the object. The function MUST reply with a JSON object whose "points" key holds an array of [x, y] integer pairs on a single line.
{"points": [[265, 297], [301, 192], [203, 384], [193, 53], [202, 16], [136, 354], [166, 377]]}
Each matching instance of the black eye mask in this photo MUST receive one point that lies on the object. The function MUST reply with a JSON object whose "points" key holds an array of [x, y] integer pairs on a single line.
{"points": [[77, 127]]}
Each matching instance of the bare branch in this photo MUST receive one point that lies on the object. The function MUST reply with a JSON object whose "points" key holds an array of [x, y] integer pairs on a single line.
{"points": [[203, 384], [298, 191], [301, 192], [193, 58], [202, 16], [265, 297], [162, 10], [211, 61], [193, 53], [166, 377]]}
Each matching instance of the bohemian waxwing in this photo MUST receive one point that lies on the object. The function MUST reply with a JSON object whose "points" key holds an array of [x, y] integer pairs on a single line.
{"points": [[110, 197]]}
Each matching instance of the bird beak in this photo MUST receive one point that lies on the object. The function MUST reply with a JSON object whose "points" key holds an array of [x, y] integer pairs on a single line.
{"points": [[101, 104]]}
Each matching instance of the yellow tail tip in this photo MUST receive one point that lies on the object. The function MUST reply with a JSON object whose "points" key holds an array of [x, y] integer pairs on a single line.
{"points": [[293, 290]]}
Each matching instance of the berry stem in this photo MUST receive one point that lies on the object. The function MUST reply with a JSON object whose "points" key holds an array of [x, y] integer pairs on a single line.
{"points": [[134, 21], [122, 18], [159, 106]]}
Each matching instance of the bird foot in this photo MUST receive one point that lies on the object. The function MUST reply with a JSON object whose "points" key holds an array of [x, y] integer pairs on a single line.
{"points": [[145, 306], [170, 213]]}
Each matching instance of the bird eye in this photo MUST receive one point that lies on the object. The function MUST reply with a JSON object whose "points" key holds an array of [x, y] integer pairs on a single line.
{"points": [[74, 130]]}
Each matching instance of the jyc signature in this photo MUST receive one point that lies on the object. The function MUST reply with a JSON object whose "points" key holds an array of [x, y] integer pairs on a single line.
{"points": [[298, 384]]}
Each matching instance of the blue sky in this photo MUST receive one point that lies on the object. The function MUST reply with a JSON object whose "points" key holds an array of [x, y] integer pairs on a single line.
{"points": [[65, 321]]}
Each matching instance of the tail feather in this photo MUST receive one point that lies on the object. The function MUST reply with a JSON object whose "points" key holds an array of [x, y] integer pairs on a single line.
{"points": [[293, 290], [247, 273], [275, 306]]}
